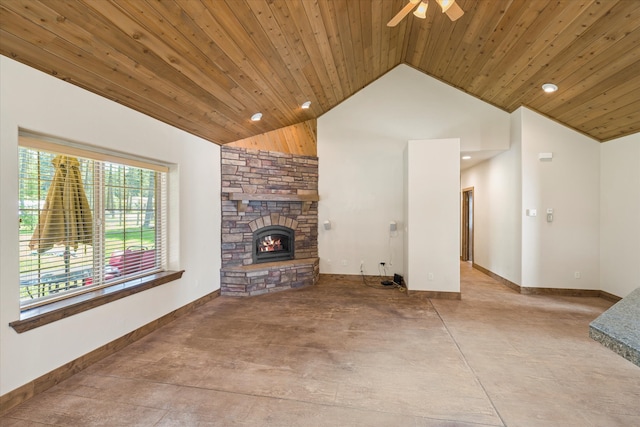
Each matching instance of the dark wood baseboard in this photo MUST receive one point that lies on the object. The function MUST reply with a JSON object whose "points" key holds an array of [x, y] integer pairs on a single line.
{"points": [[548, 291], [609, 297], [46, 381], [563, 292], [352, 277], [435, 295], [497, 277]]}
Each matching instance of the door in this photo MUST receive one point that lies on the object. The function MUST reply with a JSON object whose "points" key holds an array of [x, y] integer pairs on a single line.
{"points": [[467, 224]]}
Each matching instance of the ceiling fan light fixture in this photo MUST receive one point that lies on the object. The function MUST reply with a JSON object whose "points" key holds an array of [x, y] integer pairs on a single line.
{"points": [[451, 8], [549, 87], [421, 11], [445, 4], [256, 117], [305, 105]]}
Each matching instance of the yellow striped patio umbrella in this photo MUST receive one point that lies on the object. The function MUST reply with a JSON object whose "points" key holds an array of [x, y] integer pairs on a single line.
{"points": [[66, 217]]}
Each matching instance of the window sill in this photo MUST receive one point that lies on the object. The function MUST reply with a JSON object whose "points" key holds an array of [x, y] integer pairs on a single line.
{"points": [[40, 316]]}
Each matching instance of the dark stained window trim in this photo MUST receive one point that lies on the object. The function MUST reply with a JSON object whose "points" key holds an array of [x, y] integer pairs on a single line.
{"points": [[40, 316]]}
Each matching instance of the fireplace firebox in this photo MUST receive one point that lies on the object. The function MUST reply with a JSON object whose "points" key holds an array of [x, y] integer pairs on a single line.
{"points": [[273, 243]]}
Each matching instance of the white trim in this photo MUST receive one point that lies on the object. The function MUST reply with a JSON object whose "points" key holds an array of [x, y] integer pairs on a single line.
{"points": [[61, 146]]}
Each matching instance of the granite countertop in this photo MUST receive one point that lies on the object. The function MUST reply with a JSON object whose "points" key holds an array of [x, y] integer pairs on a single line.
{"points": [[618, 328]]}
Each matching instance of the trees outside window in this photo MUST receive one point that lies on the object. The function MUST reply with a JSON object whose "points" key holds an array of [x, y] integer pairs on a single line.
{"points": [[126, 237]]}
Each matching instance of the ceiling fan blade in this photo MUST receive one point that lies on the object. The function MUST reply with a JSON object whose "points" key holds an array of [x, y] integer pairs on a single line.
{"points": [[404, 12], [454, 11]]}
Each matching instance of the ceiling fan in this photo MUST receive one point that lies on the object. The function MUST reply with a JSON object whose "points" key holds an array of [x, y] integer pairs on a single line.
{"points": [[449, 7]]}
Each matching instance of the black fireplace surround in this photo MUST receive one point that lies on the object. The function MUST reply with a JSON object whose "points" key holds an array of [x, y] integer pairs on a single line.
{"points": [[273, 243]]}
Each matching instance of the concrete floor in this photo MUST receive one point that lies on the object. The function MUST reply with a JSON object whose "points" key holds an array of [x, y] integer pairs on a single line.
{"points": [[343, 354]]}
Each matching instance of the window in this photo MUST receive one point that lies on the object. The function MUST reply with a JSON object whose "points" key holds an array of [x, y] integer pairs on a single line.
{"points": [[87, 219]]}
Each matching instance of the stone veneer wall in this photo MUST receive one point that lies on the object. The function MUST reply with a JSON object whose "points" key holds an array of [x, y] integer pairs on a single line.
{"points": [[266, 172], [259, 279]]}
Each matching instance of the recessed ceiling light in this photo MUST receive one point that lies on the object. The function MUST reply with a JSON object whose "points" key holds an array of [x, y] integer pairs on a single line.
{"points": [[306, 105], [549, 87], [256, 117], [466, 157]]}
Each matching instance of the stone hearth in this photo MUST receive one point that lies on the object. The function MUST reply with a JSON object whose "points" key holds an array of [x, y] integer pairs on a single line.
{"points": [[257, 279], [260, 189]]}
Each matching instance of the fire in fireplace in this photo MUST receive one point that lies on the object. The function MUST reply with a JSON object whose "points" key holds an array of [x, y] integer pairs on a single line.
{"points": [[270, 244], [273, 243]]}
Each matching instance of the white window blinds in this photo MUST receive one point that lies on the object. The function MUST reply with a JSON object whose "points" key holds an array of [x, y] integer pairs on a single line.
{"points": [[87, 220]]}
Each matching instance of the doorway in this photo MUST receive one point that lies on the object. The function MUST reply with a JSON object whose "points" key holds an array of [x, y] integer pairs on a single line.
{"points": [[467, 225]]}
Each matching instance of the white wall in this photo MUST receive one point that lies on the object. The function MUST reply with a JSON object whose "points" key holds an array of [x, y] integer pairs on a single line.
{"points": [[433, 215], [360, 188], [569, 184], [620, 215], [497, 215], [360, 147], [35, 101]]}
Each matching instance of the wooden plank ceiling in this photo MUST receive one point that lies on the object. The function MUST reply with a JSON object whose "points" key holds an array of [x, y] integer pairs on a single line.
{"points": [[206, 66], [300, 139]]}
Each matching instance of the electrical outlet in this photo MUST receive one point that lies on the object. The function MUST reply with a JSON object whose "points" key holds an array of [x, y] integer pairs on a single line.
{"points": [[344, 262], [430, 276], [577, 275]]}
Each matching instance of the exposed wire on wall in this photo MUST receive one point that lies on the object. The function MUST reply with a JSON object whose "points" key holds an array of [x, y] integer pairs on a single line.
{"points": [[382, 269], [392, 285]]}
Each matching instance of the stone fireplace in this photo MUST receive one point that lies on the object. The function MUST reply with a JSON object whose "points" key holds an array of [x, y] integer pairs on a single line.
{"points": [[269, 221]]}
